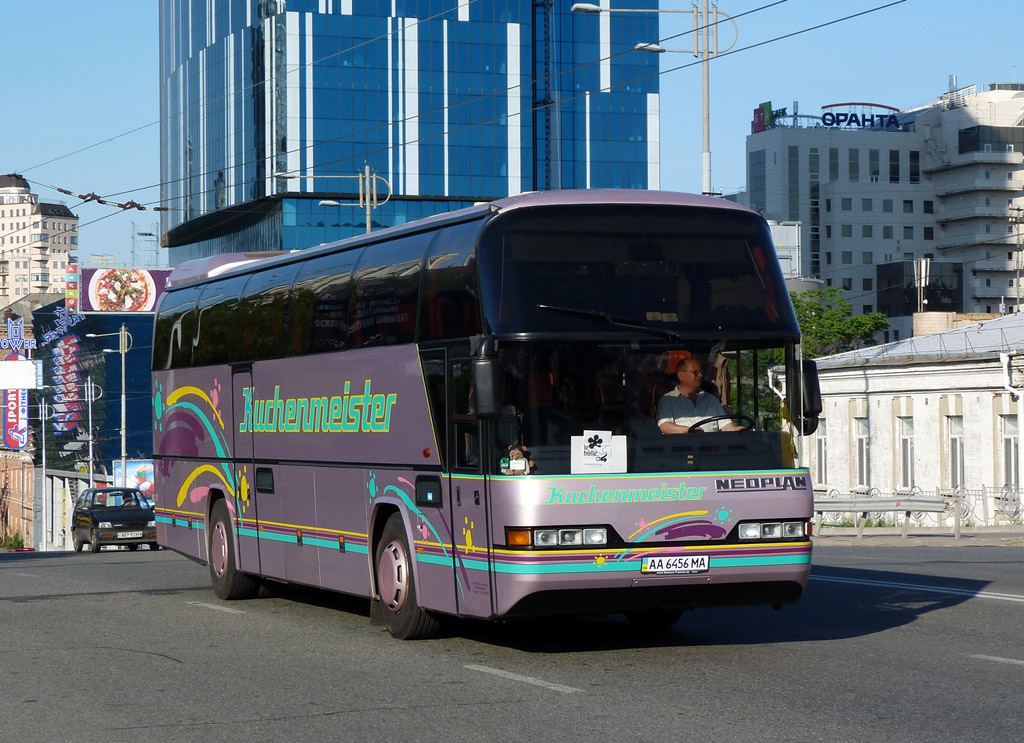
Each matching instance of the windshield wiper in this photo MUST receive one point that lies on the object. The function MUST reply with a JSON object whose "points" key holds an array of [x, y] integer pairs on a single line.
{"points": [[611, 320]]}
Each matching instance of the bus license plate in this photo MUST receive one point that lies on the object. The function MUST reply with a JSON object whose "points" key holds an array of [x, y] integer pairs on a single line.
{"points": [[129, 534], [670, 565]]}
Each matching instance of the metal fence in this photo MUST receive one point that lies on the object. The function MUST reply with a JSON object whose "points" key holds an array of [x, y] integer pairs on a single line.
{"points": [[984, 506]]}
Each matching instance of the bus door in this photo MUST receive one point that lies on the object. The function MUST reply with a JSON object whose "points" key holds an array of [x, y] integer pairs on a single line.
{"points": [[468, 496], [244, 476]]}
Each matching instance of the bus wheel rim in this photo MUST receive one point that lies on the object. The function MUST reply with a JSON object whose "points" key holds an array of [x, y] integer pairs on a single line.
{"points": [[394, 576], [219, 549]]}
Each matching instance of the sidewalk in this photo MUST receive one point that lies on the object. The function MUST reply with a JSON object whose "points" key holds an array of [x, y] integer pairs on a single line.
{"points": [[889, 536]]}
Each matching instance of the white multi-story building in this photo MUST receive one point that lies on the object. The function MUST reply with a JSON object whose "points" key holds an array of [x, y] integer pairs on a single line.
{"points": [[36, 240], [905, 210]]}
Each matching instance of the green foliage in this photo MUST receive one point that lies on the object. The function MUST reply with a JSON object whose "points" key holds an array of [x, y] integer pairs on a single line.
{"points": [[13, 541], [828, 324]]}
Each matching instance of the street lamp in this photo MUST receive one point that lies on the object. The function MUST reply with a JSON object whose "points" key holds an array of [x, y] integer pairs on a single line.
{"points": [[45, 413], [705, 45], [90, 396], [124, 346], [368, 197]]}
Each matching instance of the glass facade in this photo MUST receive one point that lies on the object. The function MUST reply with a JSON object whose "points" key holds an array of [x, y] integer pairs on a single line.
{"points": [[449, 102]]}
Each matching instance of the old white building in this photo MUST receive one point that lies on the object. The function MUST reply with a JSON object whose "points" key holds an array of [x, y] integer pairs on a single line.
{"points": [[937, 413], [36, 240]]}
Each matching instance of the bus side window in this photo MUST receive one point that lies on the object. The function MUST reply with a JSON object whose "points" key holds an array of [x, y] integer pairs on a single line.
{"points": [[433, 377], [217, 322], [450, 306], [318, 310], [467, 428], [174, 328], [264, 312], [387, 284]]}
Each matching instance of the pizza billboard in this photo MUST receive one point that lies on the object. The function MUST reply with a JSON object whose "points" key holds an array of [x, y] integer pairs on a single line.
{"points": [[121, 289]]}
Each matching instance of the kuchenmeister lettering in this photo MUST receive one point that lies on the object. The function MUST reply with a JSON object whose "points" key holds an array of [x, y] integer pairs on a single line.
{"points": [[345, 413]]}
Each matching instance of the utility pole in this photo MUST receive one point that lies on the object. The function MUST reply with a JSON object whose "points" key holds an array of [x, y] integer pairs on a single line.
{"points": [[1017, 217]]}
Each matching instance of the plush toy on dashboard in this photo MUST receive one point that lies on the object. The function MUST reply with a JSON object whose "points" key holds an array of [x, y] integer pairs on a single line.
{"points": [[516, 462]]}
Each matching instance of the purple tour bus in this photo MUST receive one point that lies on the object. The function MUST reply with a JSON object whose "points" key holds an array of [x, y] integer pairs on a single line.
{"points": [[459, 416]]}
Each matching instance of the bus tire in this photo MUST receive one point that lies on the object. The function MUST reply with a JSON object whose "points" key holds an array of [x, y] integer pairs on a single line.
{"points": [[228, 582], [404, 617]]}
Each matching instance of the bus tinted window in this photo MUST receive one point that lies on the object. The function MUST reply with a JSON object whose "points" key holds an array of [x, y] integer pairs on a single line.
{"points": [[318, 313], [387, 282], [687, 270], [264, 313], [451, 302], [174, 329], [217, 322]]}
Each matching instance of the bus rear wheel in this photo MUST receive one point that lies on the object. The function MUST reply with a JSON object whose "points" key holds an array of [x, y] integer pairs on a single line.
{"points": [[404, 617], [228, 582]]}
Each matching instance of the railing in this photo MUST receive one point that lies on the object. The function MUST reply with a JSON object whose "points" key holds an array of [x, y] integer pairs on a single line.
{"points": [[956, 507]]}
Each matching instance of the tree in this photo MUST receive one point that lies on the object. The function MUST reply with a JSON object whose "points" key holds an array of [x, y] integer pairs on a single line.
{"points": [[829, 325]]}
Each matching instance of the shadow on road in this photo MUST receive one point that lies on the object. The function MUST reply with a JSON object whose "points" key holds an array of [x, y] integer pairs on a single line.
{"points": [[839, 603]]}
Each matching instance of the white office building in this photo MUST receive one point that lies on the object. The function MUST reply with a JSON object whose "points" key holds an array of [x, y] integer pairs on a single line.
{"points": [[906, 210]]}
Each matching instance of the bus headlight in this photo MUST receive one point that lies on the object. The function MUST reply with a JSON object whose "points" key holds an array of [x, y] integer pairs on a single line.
{"points": [[566, 536], [773, 530]]}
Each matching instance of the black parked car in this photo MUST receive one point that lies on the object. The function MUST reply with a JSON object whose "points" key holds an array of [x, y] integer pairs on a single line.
{"points": [[113, 516]]}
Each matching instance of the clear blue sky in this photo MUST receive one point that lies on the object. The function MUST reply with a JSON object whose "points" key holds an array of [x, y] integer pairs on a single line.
{"points": [[76, 74]]}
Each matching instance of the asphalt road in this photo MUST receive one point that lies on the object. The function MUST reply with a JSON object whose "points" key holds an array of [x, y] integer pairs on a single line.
{"points": [[889, 643]]}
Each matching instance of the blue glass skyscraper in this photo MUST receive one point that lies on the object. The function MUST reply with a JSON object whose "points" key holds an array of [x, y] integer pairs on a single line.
{"points": [[269, 107]]}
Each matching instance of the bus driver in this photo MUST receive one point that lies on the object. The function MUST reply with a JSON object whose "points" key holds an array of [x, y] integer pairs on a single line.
{"points": [[687, 403]]}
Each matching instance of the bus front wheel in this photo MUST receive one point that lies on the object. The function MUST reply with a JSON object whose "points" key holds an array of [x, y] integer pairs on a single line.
{"points": [[228, 582], [404, 617]]}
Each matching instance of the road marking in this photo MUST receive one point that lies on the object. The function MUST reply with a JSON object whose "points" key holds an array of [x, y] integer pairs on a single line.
{"points": [[524, 679], [214, 606], [924, 589], [999, 660], [26, 575]]}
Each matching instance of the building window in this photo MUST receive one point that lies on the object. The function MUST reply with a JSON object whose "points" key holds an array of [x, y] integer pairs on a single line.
{"points": [[846, 204], [866, 231], [1011, 451], [854, 164], [887, 232], [908, 206], [929, 207], [833, 163], [860, 434], [887, 205], [847, 284], [915, 166], [846, 230], [894, 166], [828, 205], [867, 285], [873, 168], [867, 257], [929, 233], [821, 453], [847, 257], [955, 428], [908, 233], [906, 453], [865, 205]]}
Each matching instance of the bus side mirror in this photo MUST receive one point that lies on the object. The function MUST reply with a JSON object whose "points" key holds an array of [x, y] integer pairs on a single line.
{"points": [[811, 397], [487, 387]]}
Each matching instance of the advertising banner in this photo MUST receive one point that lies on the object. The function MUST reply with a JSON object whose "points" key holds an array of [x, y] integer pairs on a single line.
{"points": [[121, 289]]}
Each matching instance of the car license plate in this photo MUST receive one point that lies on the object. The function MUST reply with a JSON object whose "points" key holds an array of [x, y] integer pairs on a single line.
{"points": [[129, 534], [675, 565]]}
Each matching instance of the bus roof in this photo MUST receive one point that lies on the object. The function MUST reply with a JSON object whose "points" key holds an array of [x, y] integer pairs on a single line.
{"points": [[206, 268]]}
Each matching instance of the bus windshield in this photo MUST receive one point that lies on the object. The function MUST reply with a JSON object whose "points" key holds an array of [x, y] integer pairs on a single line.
{"points": [[558, 395], [589, 268]]}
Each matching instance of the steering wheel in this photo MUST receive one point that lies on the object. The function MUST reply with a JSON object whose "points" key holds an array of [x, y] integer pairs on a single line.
{"points": [[739, 417]]}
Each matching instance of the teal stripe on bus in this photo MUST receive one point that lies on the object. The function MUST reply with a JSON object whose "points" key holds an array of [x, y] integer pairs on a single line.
{"points": [[634, 567]]}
